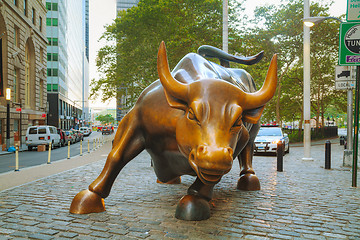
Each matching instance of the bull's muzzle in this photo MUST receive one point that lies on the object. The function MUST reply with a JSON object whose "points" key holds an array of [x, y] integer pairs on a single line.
{"points": [[211, 163]]}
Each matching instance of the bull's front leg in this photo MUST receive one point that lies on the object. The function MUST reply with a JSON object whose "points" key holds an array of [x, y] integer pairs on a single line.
{"points": [[195, 205], [127, 144], [248, 180]]}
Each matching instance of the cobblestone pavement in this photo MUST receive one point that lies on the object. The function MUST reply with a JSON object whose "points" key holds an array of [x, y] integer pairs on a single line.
{"points": [[305, 201]]}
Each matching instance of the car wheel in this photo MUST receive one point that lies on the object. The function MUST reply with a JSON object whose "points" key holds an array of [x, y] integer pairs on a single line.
{"points": [[288, 149]]}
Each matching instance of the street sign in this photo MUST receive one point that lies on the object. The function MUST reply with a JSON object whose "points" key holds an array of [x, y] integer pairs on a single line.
{"points": [[349, 49], [353, 10], [18, 109], [345, 73], [344, 85]]}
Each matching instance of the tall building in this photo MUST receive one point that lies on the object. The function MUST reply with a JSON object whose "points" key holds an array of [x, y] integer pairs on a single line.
{"points": [[68, 62], [22, 67], [121, 99], [125, 4]]}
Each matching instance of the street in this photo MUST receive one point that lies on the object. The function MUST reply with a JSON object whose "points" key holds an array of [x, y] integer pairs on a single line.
{"points": [[33, 158]]}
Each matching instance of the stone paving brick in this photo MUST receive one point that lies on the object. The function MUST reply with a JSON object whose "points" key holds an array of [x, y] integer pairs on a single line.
{"points": [[298, 203]]}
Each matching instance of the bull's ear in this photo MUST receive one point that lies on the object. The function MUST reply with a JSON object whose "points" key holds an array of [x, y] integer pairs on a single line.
{"points": [[175, 102], [253, 115]]}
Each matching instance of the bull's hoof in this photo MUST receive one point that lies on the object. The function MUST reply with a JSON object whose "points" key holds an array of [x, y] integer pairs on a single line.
{"points": [[87, 202], [192, 208], [174, 181], [248, 182]]}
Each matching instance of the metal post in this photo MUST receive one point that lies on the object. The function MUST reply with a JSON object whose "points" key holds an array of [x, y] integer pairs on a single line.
{"points": [[356, 127], [49, 155], [68, 157], [16, 158], [81, 148], [88, 146], [306, 62], [327, 154], [94, 143], [279, 156], [225, 25]]}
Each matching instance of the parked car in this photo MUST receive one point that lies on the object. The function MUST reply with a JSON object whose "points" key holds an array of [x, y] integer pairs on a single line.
{"points": [[78, 135], [268, 138], [42, 135], [71, 136], [63, 137], [107, 130], [99, 128], [86, 131]]}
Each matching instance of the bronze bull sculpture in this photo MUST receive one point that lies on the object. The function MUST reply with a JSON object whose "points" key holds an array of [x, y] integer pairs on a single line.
{"points": [[196, 121]]}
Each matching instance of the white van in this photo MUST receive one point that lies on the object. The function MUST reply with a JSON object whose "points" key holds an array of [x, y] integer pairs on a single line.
{"points": [[85, 130], [42, 135]]}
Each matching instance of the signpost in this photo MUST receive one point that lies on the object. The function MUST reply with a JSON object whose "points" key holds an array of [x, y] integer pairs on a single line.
{"points": [[349, 55]]}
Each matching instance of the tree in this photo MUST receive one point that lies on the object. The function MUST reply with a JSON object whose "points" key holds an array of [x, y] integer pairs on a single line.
{"points": [[131, 63], [105, 119]]}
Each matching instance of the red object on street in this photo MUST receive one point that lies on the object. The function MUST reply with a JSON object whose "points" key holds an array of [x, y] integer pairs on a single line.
{"points": [[43, 115], [18, 109]]}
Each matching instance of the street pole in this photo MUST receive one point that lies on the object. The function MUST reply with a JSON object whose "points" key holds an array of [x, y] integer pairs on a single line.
{"points": [[225, 26], [306, 104], [356, 127], [7, 124]]}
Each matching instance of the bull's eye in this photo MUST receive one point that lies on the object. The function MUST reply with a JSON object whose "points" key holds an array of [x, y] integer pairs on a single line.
{"points": [[237, 125], [192, 116]]}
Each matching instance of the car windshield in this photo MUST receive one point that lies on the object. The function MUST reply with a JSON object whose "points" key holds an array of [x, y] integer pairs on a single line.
{"points": [[42, 130], [269, 132]]}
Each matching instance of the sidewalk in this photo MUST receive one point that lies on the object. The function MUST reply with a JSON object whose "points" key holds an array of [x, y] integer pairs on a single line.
{"points": [[305, 201]]}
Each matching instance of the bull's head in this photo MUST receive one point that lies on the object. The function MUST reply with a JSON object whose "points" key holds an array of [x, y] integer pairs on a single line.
{"points": [[214, 111]]}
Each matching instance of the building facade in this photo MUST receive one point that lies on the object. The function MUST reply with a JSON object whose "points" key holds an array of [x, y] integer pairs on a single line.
{"points": [[68, 62], [22, 66]]}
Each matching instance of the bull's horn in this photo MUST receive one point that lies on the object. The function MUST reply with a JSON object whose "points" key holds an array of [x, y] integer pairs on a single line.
{"points": [[266, 92], [171, 85]]}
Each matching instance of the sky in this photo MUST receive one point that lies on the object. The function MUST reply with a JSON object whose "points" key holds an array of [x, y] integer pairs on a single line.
{"points": [[103, 13]]}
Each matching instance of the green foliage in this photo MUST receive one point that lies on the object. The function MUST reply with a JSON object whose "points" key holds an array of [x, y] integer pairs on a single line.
{"points": [[105, 119], [184, 25], [128, 63]]}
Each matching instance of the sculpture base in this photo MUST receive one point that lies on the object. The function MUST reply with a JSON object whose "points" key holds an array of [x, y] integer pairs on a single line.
{"points": [[248, 182], [87, 202], [192, 208]]}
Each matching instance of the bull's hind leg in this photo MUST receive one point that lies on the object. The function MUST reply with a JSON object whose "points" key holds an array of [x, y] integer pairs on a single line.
{"points": [[195, 205], [127, 144]]}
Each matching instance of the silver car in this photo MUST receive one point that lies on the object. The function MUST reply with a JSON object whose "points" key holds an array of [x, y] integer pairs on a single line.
{"points": [[268, 138]]}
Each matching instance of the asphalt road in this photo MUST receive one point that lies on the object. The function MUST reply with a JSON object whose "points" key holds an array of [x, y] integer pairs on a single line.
{"points": [[33, 158]]}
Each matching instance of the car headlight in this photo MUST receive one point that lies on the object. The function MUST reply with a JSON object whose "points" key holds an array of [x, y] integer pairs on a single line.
{"points": [[276, 141]]}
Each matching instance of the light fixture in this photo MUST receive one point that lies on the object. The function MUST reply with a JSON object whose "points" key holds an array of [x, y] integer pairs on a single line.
{"points": [[8, 94], [311, 21]]}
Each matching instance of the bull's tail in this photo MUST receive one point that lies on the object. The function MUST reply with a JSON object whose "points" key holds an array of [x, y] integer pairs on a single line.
{"points": [[225, 58]]}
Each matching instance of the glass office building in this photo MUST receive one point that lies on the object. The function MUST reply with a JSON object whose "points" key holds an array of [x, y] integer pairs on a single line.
{"points": [[67, 62]]}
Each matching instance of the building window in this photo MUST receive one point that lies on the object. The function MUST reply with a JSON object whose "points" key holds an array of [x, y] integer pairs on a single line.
{"points": [[16, 2], [33, 17], [25, 7], [53, 57], [52, 72], [40, 24], [51, 6], [16, 85], [27, 76], [16, 36], [53, 41], [51, 22]]}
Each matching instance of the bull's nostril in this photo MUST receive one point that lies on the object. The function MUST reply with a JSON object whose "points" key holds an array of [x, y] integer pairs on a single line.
{"points": [[191, 157], [201, 149]]}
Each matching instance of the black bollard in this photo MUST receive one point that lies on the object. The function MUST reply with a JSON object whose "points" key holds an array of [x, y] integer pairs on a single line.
{"points": [[327, 154], [342, 140], [279, 156]]}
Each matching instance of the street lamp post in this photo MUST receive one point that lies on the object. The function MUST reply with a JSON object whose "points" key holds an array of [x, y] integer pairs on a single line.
{"points": [[309, 22], [8, 98], [306, 104]]}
